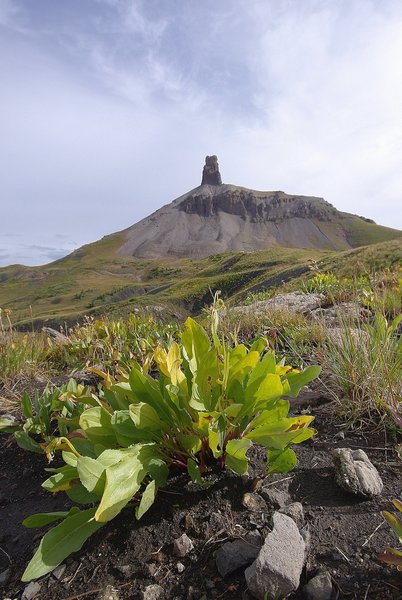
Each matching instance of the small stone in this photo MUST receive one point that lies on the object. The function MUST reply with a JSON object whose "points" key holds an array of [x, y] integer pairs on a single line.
{"points": [[152, 568], [153, 592], [109, 593], [339, 436], [276, 498], [125, 569], [58, 572], [294, 511], [319, 587], [180, 567], [189, 522], [183, 545], [31, 591], [276, 571], [355, 473], [209, 584], [4, 577], [254, 502], [238, 554]]}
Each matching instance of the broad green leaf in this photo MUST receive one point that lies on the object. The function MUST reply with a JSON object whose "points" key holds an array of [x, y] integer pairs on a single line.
{"points": [[69, 458], [62, 480], [147, 499], [243, 366], [236, 458], [278, 434], [144, 416], [194, 471], [26, 406], [126, 432], [262, 368], [123, 481], [158, 470], [26, 442], [299, 380], [42, 519], [189, 443], [281, 461], [8, 425], [92, 474], [213, 440], [196, 343], [96, 423], [272, 415], [61, 541], [80, 495], [145, 389]]}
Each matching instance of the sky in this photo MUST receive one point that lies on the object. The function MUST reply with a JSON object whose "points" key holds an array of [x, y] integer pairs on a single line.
{"points": [[109, 107]]}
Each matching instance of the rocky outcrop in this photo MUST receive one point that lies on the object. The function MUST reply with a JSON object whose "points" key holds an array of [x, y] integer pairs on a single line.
{"points": [[216, 217], [210, 173]]}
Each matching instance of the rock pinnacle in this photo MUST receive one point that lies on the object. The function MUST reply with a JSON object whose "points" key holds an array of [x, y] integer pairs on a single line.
{"points": [[210, 173]]}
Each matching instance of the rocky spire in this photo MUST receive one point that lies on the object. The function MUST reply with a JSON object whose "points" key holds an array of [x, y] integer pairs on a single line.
{"points": [[210, 174]]}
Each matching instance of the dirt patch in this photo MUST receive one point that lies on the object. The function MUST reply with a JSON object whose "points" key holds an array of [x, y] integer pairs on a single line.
{"points": [[346, 533]]}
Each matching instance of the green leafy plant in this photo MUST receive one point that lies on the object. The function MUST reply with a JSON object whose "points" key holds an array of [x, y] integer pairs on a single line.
{"points": [[393, 556], [54, 413], [208, 405]]}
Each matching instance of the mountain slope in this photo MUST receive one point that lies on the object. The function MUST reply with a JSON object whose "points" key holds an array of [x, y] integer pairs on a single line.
{"points": [[216, 217]]}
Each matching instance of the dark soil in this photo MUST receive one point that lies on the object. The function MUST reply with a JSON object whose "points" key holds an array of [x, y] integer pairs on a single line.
{"points": [[346, 533]]}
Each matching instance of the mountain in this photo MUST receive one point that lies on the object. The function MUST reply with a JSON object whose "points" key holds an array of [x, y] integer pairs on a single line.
{"points": [[216, 217], [215, 237]]}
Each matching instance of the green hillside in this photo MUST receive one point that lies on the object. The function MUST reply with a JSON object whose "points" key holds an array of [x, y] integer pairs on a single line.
{"points": [[94, 280]]}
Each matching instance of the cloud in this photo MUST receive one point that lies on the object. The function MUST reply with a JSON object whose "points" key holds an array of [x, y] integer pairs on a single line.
{"points": [[109, 108]]}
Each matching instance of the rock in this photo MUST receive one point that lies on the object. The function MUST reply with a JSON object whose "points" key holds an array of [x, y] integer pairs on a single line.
{"points": [[183, 545], [210, 173], [109, 593], [295, 302], [276, 571], [319, 587], [31, 591], [58, 572], [253, 502], [125, 570], [4, 577], [240, 553], [276, 498], [339, 436], [59, 338], [355, 473], [180, 567], [294, 511], [189, 522], [153, 592]]}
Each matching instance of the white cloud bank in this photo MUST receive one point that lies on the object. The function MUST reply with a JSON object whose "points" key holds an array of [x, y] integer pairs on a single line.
{"points": [[108, 109]]}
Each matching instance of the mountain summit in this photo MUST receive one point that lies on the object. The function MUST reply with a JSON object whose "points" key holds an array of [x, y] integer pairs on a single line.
{"points": [[216, 217]]}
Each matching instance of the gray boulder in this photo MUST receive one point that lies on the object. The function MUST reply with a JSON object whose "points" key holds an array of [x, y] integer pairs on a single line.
{"points": [[355, 473], [276, 498], [240, 553], [276, 571]]}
